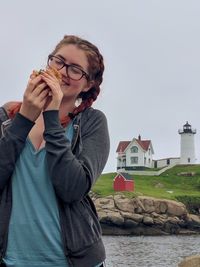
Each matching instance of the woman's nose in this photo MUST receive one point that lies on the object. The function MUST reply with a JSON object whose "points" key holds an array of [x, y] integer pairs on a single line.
{"points": [[64, 74], [63, 71]]}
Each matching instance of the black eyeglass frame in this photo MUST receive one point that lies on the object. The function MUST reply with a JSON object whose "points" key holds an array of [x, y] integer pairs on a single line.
{"points": [[67, 66]]}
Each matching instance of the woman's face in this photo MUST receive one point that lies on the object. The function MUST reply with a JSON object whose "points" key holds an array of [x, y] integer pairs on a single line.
{"points": [[72, 55]]}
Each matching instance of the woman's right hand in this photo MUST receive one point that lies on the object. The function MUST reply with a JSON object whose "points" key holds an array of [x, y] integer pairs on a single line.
{"points": [[35, 97]]}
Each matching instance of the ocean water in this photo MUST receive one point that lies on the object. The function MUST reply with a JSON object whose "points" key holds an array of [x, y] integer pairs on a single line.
{"points": [[149, 251]]}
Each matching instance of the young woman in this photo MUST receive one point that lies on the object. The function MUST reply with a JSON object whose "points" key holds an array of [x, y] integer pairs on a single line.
{"points": [[53, 147]]}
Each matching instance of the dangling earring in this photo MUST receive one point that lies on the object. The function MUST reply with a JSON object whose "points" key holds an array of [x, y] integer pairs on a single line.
{"points": [[78, 102]]}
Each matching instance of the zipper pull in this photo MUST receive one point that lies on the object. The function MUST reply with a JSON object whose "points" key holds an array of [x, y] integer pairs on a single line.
{"points": [[4, 125]]}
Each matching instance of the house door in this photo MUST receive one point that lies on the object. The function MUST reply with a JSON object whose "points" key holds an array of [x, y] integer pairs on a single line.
{"points": [[155, 164]]}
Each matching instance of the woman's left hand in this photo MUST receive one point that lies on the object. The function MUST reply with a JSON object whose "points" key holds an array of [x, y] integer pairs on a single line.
{"points": [[55, 93]]}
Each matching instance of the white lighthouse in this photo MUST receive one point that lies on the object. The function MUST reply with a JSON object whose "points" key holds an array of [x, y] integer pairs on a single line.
{"points": [[187, 144]]}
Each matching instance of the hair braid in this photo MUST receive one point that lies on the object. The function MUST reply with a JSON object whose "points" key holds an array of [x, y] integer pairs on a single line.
{"points": [[85, 104]]}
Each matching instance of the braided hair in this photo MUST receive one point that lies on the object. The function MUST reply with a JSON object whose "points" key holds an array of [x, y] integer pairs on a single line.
{"points": [[95, 70]]}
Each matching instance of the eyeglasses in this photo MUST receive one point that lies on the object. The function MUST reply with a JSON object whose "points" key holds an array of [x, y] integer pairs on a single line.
{"points": [[72, 71]]}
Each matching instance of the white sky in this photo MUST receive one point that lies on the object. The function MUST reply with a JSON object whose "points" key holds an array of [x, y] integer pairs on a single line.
{"points": [[152, 59]]}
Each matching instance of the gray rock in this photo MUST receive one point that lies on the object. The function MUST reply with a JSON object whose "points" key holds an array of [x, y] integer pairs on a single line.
{"points": [[192, 261], [132, 216], [130, 223], [116, 218], [162, 207], [123, 203], [194, 218], [148, 220], [176, 208], [159, 221]]}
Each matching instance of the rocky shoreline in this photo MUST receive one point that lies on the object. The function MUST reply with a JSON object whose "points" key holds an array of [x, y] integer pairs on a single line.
{"points": [[143, 215]]}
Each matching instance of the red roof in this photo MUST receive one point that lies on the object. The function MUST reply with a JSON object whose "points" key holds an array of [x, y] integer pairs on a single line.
{"points": [[123, 145], [144, 143], [125, 175]]}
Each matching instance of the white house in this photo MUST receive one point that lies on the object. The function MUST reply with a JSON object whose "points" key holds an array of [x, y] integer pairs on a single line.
{"points": [[135, 154]]}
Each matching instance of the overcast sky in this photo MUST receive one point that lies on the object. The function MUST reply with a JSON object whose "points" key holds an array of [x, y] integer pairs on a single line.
{"points": [[152, 58]]}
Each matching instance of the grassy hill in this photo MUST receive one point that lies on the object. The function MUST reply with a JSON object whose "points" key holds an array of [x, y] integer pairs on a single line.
{"points": [[169, 185]]}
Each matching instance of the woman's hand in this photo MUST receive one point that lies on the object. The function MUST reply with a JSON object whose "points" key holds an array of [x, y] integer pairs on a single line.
{"points": [[55, 93], [35, 97]]}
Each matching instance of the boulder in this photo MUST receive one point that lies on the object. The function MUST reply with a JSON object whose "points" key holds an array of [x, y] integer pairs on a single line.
{"points": [[104, 203], [176, 208], [194, 218], [193, 221], [162, 207], [148, 220], [149, 206], [159, 221], [173, 220], [103, 216], [111, 217], [130, 223], [192, 261], [132, 216], [138, 205], [123, 203]]}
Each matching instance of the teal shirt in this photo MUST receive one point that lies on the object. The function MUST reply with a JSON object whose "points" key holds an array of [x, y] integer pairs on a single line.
{"points": [[34, 238]]}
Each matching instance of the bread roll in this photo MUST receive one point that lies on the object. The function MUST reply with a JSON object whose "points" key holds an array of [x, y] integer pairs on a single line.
{"points": [[50, 71]]}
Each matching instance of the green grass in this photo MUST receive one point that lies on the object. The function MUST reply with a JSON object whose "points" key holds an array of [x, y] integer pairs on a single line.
{"points": [[156, 186]]}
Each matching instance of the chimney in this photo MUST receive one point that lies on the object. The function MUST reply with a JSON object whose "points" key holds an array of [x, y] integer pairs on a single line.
{"points": [[139, 137]]}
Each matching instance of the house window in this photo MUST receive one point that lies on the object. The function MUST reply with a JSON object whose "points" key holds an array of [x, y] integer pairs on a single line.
{"points": [[149, 151], [134, 160], [145, 160], [134, 149]]}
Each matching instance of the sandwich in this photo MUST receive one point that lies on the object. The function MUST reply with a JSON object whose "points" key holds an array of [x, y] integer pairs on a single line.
{"points": [[50, 71]]}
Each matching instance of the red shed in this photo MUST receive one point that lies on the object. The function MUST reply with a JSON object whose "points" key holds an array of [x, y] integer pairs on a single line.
{"points": [[123, 182]]}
